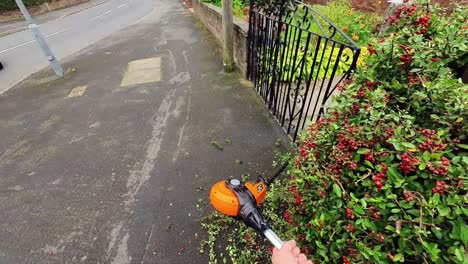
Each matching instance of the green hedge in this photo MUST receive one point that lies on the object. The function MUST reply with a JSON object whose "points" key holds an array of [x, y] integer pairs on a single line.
{"points": [[8, 5]]}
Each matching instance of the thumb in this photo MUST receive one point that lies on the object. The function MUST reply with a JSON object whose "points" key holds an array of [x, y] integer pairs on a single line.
{"points": [[289, 245]]}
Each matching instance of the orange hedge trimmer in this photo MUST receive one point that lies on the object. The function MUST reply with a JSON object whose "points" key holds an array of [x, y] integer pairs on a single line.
{"points": [[234, 198]]}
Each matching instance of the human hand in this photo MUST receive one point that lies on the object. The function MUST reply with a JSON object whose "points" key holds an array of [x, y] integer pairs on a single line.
{"points": [[289, 254]]}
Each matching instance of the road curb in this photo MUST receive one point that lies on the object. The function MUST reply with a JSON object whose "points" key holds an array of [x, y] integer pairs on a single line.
{"points": [[88, 7], [12, 31], [15, 30]]}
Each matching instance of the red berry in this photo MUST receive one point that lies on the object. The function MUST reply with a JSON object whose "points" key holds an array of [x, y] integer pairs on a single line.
{"points": [[377, 215]]}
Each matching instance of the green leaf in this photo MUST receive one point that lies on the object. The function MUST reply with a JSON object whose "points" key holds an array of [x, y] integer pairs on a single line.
{"points": [[459, 253], [395, 210], [436, 232], [426, 156], [464, 146], [358, 209], [443, 210], [414, 212], [339, 203], [363, 151], [337, 190], [397, 146], [399, 257], [363, 203], [464, 233], [393, 173], [422, 166], [435, 199], [408, 145], [433, 250], [369, 164]]}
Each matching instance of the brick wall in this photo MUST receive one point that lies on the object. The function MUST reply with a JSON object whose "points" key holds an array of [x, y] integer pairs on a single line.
{"points": [[211, 17]]}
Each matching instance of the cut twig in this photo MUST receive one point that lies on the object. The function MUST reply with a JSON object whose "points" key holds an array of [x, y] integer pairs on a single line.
{"points": [[217, 145]]}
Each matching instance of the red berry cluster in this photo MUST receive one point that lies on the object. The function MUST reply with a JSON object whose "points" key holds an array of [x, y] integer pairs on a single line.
{"points": [[388, 133], [407, 162], [380, 177], [407, 58], [432, 142], [439, 188], [346, 141], [355, 108], [408, 196], [408, 54], [303, 152], [380, 238], [370, 49], [360, 93], [369, 157], [298, 200], [412, 78], [345, 260], [370, 85], [349, 213], [288, 217], [392, 20], [423, 21], [407, 11], [342, 157], [342, 85], [321, 193], [301, 237], [377, 215], [387, 98], [350, 228], [352, 252], [325, 184], [442, 169], [247, 238]]}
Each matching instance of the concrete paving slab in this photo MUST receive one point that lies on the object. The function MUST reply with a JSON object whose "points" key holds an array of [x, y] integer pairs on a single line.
{"points": [[142, 71]]}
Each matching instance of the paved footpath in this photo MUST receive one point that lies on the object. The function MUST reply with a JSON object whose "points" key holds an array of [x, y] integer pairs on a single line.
{"points": [[108, 164]]}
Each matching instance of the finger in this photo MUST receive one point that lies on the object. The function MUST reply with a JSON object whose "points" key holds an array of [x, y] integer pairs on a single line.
{"points": [[296, 251], [288, 246], [301, 259], [309, 262]]}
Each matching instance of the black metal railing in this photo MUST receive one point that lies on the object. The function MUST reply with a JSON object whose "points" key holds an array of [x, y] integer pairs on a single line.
{"points": [[296, 58]]}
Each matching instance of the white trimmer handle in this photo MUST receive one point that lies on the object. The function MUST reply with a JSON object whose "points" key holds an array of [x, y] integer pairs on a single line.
{"points": [[273, 238]]}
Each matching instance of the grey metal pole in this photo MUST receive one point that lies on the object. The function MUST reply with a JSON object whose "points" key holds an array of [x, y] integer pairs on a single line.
{"points": [[228, 36], [40, 39]]}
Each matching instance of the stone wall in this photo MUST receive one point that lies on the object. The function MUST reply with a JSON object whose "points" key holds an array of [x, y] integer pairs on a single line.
{"points": [[211, 17]]}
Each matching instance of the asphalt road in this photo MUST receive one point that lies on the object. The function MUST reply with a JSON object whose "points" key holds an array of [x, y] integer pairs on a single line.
{"points": [[21, 56]]}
